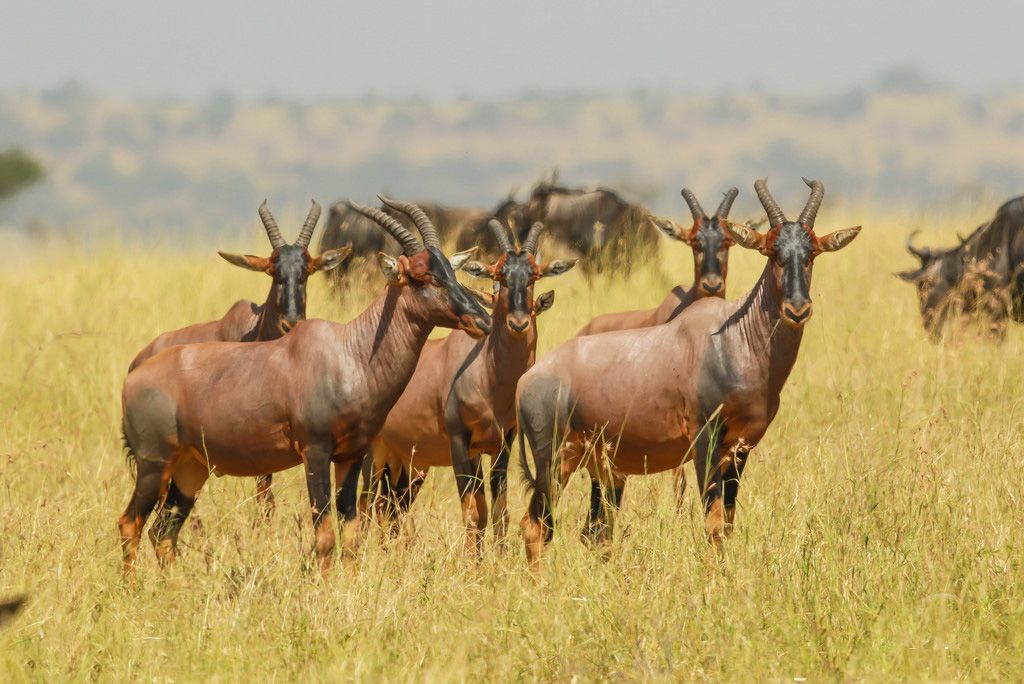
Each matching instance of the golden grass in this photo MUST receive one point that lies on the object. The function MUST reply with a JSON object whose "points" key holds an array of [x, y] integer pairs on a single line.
{"points": [[879, 526]]}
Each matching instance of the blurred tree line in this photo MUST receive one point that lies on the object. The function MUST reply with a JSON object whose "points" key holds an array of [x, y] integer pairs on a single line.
{"points": [[17, 171]]}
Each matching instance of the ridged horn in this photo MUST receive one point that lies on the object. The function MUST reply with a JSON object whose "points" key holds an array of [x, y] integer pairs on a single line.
{"points": [[726, 205], [696, 210], [309, 226], [533, 237], [420, 219], [410, 244], [501, 234], [273, 232], [922, 254], [771, 207], [810, 211]]}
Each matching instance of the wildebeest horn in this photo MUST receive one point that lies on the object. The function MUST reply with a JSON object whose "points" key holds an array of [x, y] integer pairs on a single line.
{"points": [[410, 244], [533, 237], [813, 202], [501, 234], [273, 232], [922, 254], [420, 219], [771, 207], [691, 200], [726, 205], [309, 226]]}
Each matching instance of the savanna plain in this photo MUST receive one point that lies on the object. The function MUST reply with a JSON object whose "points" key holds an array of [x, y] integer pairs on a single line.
{"points": [[879, 528]]}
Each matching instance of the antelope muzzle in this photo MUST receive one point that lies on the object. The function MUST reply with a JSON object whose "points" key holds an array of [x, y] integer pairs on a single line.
{"points": [[712, 285], [796, 313]]}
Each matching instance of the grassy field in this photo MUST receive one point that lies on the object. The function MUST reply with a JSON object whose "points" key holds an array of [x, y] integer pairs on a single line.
{"points": [[879, 527]]}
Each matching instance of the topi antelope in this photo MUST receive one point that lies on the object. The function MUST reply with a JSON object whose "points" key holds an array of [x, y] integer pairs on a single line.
{"points": [[710, 244], [312, 397], [704, 386], [289, 265], [460, 402]]}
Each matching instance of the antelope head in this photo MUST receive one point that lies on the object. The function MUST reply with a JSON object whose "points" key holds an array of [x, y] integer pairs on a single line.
{"points": [[290, 265], [514, 274], [424, 269], [709, 241], [791, 248]]}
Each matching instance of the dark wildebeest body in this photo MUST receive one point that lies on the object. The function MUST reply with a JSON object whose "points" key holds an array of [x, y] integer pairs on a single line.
{"points": [[597, 224], [704, 386], [460, 403], [983, 274], [459, 226], [315, 396]]}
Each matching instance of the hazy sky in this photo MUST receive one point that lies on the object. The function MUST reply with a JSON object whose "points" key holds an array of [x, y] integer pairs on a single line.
{"points": [[319, 49]]}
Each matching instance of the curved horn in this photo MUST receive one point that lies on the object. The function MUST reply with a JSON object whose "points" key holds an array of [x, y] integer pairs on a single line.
{"points": [[726, 205], [309, 226], [813, 202], [501, 234], [410, 244], [533, 237], [922, 254], [423, 224], [771, 207], [273, 232], [691, 200]]}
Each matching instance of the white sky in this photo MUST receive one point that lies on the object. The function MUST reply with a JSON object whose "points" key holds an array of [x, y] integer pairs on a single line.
{"points": [[311, 50]]}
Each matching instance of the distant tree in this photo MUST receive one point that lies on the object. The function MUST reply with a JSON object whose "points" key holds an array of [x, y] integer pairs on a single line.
{"points": [[17, 172]]}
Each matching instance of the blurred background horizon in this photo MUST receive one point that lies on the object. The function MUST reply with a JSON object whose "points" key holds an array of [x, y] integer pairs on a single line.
{"points": [[157, 121]]}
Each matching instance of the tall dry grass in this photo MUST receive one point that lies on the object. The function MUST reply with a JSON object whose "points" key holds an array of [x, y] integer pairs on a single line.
{"points": [[879, 526]]}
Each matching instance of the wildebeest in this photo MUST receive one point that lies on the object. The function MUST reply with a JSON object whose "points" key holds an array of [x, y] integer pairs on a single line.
{"points": [[314, 396], [984, 274], [460, 227], [597, 224], [459, 404], [704, 386], [289, 266]]}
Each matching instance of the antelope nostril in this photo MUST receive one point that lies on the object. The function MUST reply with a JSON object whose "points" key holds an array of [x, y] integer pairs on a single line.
{"points": [[518, 326], [712, 286], [797, 315]]}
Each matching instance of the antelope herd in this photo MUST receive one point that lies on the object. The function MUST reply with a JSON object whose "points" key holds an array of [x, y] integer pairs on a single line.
{"points": [[698, 378]]}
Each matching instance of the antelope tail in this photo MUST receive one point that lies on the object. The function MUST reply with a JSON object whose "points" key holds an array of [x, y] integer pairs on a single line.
{"points": [[129, 456], [529, 479]]}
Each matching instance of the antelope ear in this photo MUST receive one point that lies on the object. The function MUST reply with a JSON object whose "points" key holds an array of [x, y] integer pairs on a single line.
{"points": [[391, 268], [833, 242], [332, 258], [745, 237], [756, 224], [485, 298], [459, 259], [253, 263], [670, 228], [543, 302], [557, 267], [478, 270]]}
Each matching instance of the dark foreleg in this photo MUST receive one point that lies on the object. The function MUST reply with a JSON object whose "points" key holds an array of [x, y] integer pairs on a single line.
{"points": [[265, 495], [347, 502], [499, 489], [706, 461], [317, 461], [469, 480], [731, 485]]}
